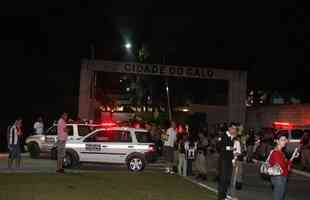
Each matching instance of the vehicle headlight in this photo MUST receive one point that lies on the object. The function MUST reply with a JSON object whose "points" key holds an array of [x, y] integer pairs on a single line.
{"points": [[42, 138]]}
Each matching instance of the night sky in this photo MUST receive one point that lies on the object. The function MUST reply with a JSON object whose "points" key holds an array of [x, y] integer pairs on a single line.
{"points": [[42, 45]]}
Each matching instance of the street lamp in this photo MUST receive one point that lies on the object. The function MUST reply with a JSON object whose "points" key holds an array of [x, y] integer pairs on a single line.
{"points": [[128, 46]]}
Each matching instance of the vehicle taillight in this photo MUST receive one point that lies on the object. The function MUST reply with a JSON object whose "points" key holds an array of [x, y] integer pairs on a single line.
{"points": [[136, 125], [152, 148]]}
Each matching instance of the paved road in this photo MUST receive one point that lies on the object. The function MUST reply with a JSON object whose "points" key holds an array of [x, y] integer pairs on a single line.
{"points": [[45, 165], [254, 188]]}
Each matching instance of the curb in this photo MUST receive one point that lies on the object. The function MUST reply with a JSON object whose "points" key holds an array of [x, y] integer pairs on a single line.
{"points": [[205, 186]]}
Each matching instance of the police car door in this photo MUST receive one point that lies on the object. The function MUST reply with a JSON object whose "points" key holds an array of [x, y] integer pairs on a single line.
{"points": [[95, 147], [70, 131], [50, 138], [120, 146]]}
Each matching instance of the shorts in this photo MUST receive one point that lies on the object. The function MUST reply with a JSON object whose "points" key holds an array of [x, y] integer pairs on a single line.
{"points": [[61, 149], [168, 153], [14, 151]]}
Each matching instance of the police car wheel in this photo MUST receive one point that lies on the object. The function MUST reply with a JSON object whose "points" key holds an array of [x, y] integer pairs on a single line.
{"points": [[136, 164], [68, 161], [34, 150]]}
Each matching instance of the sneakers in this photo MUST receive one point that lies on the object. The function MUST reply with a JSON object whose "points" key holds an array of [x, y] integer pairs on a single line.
{"points": [[169, 171]]}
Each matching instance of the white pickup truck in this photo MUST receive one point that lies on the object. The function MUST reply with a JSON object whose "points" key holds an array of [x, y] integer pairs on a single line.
{"points": [[44, 143]]}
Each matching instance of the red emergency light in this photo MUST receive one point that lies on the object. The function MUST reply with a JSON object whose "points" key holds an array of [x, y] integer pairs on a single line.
{"points": [[108, 124], [180, 129], [282, 125], [136, 125]]}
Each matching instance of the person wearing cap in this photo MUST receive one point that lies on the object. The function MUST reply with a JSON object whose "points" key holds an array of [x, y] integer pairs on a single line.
{"points": [[226, 147], [277, 157]]}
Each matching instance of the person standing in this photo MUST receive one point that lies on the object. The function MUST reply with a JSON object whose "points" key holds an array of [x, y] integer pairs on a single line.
{"points": [[277, 157], [14, 142], [170, 139], [236, 183], [200, 162], [38, 126], [226, 146], [62, 134], [305, 151], [250, 142], [191, 153], [182, 165]]}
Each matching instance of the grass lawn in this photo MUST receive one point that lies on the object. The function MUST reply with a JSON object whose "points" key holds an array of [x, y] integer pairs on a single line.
{"points": [[99, 186]]}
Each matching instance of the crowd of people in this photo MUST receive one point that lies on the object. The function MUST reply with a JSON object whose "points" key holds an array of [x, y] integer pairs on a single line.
{"points": [[185, 148]]}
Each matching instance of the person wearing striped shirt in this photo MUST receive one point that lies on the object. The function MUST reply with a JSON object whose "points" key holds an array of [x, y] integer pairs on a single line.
{"points": [[14, 142]]}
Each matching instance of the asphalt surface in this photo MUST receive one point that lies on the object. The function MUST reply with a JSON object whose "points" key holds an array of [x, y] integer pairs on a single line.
{"points": [[254, 187]]}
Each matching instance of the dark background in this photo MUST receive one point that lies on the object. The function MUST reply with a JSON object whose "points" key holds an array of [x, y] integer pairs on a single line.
{"points": [[42, 44]]}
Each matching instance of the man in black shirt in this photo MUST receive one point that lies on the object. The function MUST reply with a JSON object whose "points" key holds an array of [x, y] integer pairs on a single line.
{"points": [[226, 146]]}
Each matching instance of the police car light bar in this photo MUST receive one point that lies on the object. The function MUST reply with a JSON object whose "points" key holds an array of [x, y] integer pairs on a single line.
{"points": [[108, 124], [283, 124]]}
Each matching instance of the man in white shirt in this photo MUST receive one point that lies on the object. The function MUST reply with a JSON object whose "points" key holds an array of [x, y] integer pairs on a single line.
{"points": [[237, 167], [38, 126], [169, 142]]}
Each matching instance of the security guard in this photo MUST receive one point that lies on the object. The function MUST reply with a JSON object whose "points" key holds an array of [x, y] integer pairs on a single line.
{"points": [[226, 147]]}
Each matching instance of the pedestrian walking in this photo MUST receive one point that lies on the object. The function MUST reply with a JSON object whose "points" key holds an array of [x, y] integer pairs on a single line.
{"points": [[226, 146], [62, 134], [277, 158], [14, 142], [38, 126]]}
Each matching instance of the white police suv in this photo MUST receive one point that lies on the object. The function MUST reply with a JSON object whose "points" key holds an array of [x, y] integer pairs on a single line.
{"points": [[119, 145], [44, 143]]}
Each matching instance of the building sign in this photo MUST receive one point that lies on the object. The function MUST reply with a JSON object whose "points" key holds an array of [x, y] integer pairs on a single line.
{"points": [[166, 70]]}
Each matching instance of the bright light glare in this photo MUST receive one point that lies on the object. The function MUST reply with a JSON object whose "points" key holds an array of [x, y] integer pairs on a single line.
{"points": [[128, 45]]}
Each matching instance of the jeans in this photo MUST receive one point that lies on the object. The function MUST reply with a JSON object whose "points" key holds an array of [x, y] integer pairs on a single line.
{"points": [[182, 167], [189, 167], [279, 187]]}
